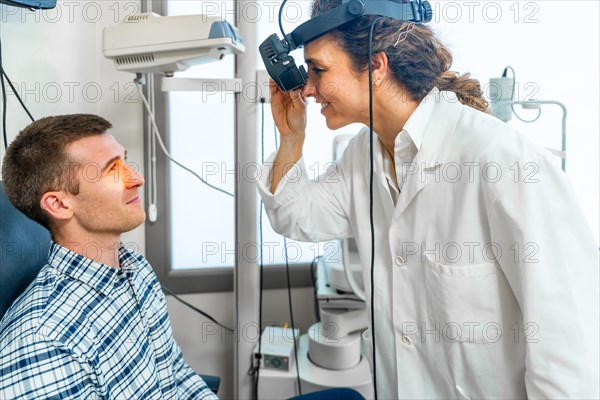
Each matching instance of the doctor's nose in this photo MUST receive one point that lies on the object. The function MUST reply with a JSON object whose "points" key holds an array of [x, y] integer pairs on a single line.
{"points": [[309, 89]]}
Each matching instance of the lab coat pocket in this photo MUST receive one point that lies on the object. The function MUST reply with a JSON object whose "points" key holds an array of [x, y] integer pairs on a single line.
{"points": [[463, 301]]}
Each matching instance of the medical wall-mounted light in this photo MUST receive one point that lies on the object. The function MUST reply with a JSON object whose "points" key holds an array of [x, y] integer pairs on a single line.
{"points": [[502, 104]]}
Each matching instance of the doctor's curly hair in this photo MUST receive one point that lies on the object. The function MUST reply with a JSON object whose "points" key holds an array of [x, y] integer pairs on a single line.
{"points": [[417, 59]]}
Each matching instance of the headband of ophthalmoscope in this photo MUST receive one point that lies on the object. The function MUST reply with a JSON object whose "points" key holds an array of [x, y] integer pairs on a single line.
{"points": [[275, 53]]}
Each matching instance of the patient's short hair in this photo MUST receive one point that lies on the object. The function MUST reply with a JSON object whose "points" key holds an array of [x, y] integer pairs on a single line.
{"points": [[36, 162]]}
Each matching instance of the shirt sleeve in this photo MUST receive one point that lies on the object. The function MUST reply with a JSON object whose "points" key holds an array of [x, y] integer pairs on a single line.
{"points": [[309, 210], [189, 384], [31, 368], [551, 263]]}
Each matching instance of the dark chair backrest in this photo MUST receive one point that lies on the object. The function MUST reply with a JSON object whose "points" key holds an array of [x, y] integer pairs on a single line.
{"points": [[23, 251]]}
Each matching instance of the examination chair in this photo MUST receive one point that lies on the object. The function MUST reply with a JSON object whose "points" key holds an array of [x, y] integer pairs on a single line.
{"points": [[23, 252]]}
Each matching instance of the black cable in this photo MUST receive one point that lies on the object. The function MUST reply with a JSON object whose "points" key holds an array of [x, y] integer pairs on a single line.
{"points": [[281, 25], [258, 355], [512, 97], [514, 78], [289, 286], [17, 95], [371, 206], [156, 133], [334, 299], [262, 129], [4, 136], [169, 291], [287, 272], [4, 98], [313, 278]]}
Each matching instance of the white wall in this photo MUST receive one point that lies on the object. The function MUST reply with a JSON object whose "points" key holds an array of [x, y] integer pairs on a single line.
{"points": [[54, 59]]}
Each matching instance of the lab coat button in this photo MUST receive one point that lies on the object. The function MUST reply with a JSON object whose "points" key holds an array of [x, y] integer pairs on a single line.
{"points": [[400, 261], [406, 155], [406, 340]]}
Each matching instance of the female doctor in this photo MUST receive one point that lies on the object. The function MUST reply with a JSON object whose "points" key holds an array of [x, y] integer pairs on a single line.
{"points": [[485, 271]]}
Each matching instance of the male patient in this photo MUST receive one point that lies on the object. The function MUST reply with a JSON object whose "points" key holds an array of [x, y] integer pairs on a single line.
{"points": [[94, 323]]}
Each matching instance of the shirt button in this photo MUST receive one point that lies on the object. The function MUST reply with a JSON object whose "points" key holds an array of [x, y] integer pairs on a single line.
{"points": [[400, 261], [406, 340], [406, 155]]}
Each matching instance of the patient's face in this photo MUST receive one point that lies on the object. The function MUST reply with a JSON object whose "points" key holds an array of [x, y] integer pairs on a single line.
{"points": [[108, 201]]}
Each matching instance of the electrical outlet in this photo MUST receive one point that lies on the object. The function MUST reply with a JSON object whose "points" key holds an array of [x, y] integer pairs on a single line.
{"points": [[262, 83], [501, 95]]}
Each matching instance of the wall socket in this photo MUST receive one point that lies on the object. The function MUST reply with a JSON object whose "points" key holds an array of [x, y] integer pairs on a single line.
{"points": [[501, 94], [262, 83]]}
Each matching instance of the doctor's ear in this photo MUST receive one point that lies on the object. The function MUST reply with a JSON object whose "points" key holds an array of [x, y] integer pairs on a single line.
{"points": [[57, 205], [380, 65]]}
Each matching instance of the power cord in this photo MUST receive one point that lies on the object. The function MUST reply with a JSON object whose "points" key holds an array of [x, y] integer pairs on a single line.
{"points": [[256, 370], [162, 145], [169, 291], [287, 45], [156, 132], [3, 101], [287, 264], [151, 155], [289, 286], [371, 205], [4, 98], [313, 278], [512, 106], [258, 356]]}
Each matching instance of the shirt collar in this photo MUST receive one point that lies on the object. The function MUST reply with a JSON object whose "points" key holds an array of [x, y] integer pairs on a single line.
{"points": [[417, 122], [97, 275]]}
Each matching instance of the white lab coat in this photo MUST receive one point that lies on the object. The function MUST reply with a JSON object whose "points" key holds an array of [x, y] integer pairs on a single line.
{"points": [[486, 283]]}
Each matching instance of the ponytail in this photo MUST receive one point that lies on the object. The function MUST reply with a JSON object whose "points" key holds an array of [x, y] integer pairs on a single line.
{"points": [[467, 90]]}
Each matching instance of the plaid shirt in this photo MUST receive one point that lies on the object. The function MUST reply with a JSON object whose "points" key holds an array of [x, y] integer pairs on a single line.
{"points": [[84, 330]]}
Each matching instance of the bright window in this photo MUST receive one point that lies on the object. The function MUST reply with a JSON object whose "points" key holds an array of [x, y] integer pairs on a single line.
{"points": [[202, 137]]}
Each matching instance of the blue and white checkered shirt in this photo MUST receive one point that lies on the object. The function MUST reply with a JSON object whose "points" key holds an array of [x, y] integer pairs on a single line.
{"points": [[84, 330]]}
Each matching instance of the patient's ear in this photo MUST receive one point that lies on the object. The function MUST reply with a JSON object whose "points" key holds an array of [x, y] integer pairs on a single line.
{"points": [[57, 205]]}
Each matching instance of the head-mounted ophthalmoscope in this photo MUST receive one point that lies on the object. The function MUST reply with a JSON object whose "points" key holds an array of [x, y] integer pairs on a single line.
{"points": [[275, 52]]}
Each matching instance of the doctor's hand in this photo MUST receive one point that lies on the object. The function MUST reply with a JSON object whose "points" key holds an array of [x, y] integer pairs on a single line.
{"points": [[289, 112]]}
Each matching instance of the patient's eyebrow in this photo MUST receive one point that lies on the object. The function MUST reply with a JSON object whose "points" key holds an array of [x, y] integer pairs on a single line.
{"points": [[112, 160]]}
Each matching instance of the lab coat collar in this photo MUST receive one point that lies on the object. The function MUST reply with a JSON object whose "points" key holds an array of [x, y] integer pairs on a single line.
{"points": [[431, 127], [417, 122], [439, 126], [446, 111]]}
